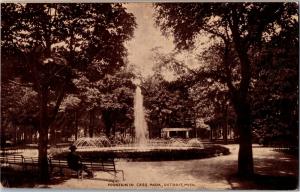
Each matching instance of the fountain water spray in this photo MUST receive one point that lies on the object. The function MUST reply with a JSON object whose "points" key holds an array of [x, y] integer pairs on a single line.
{"points": [[141, 130]]}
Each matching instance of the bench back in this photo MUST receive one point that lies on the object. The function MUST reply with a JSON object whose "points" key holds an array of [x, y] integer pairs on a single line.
{"points": [[101, 165], [31, 160], [58, 163], [12, 159], [18, 159]]}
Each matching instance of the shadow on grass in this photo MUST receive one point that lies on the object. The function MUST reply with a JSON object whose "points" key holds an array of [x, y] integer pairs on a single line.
{"points": [[264, 182], [277, 173], [16, 177]]}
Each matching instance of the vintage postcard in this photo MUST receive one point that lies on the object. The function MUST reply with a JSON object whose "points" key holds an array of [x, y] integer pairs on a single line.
{"points": [[152, 95]]}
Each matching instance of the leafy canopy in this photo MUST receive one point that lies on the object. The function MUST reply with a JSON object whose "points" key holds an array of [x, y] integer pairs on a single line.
{"points": [[87, 37]]}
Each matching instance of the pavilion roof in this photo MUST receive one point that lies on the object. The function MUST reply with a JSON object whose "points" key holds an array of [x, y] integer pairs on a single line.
{"points": [[176, 129]]}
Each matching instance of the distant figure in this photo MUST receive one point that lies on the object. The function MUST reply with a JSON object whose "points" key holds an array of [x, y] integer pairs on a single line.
{"points": [[74, 161]]}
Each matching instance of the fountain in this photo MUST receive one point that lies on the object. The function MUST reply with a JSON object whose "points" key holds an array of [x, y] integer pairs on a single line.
{"points": [[84, 142], [141, 132], [145, 149]]}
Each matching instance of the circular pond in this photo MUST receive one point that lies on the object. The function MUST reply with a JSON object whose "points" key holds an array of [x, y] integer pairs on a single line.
{"points": [[156, 150]]}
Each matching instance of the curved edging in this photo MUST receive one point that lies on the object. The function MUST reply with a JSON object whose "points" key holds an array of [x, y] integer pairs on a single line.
{"points": [[154, 155]]}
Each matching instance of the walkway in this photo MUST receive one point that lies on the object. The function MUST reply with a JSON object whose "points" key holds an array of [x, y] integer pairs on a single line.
{"points": [[276, 170]]}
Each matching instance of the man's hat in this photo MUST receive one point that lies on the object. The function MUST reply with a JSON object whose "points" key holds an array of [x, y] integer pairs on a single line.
{"points": [[72, 147]]}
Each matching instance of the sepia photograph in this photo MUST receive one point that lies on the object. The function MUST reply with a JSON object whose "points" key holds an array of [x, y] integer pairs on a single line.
{"points": [[150, 95]]}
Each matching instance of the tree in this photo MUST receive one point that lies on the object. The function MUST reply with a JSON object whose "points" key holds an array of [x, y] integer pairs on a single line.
{"points": [[111, 97], [18, 111], [206, 97], [167, 105], [241, 27], [275, 98], [47, 45]]}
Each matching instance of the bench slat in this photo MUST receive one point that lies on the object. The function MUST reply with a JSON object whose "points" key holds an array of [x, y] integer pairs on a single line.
{"points": [[107, 165]]}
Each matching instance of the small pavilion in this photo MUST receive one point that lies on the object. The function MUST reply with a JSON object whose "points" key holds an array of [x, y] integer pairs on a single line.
{"points": [[176, 132]]}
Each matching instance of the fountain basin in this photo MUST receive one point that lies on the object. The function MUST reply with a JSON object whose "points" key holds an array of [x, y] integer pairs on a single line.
{"points": [[151, 153]]}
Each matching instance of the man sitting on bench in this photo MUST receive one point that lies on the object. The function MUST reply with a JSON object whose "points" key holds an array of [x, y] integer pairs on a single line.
{"points": [[74, 162]]}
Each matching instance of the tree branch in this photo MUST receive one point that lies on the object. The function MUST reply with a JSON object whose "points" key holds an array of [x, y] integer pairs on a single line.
{"points": [[58, 103], [242, 54], [21, 84], [218, 34], [228, 77]]}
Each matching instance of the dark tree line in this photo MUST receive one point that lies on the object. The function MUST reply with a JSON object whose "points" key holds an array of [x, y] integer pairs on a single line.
{"points": [[166, 106]]}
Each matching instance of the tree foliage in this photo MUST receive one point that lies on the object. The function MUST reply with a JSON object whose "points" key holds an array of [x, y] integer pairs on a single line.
{"points": [[167, 106], [48, 45], [241, 30], [275, 93]]}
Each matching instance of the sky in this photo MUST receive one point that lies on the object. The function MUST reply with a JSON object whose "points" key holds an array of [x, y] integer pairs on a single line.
{"points": [[146, 37]]}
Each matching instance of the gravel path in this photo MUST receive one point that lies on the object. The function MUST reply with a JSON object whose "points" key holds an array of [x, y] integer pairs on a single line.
{"points": [[211, 173]]}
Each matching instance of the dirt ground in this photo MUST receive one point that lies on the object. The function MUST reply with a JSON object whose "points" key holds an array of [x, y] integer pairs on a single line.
{"points": [[273, 170]]}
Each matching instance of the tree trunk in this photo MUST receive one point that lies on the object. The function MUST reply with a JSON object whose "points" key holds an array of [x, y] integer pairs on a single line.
{"points": [[15, 133], [91, 126], [225, 126], [52, 136], [85, 131], [107, 121], [225, 140], [31, 134], [240, 101], [86, 125], [114, 129], [43, 138], [76, 125], [245, 156], [42, 150]]}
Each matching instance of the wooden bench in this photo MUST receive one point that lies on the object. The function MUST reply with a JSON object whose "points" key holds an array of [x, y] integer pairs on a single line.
{"points": [[104, 165], [57, 163], [32, 162], [20, 160], [9, 150], [11, 159]]}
